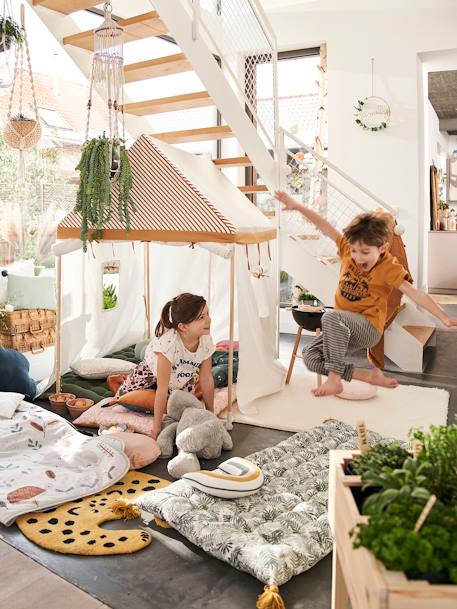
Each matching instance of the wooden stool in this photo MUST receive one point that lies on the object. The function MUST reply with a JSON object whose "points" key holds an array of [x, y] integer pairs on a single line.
{"points": [[294, 355]]}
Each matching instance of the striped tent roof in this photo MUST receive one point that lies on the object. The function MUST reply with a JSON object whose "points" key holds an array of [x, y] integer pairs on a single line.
{"points": [[179, 197]]}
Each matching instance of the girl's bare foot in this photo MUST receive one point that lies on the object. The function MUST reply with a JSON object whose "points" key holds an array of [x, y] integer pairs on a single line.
{"points": [[332, 386], [377, 377]]}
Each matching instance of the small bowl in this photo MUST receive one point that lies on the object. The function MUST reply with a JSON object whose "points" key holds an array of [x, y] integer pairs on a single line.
{"points": [[77, 406], [306, 319], [58, 402]]}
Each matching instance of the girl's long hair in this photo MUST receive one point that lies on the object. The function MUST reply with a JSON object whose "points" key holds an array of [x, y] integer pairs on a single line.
{"points": [[181, 309]]}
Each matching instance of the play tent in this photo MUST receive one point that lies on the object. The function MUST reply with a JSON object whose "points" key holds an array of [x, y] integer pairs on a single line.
{"points": [[227, 254]]}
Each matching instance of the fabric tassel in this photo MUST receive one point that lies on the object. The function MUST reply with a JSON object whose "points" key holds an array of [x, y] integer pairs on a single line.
{"points": [[270, 599], [21, 169], [125, 509], [162, 523]]}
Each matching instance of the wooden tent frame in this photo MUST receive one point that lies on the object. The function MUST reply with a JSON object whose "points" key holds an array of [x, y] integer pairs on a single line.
{"points": [[254, 237]]}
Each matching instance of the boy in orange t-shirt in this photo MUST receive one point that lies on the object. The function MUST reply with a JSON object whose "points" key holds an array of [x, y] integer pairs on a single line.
{"points": [[368, 274]]}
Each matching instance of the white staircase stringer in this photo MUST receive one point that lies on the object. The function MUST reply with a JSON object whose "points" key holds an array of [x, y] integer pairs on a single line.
{"points": [[403, 348], [317, 277], [178, 18]]}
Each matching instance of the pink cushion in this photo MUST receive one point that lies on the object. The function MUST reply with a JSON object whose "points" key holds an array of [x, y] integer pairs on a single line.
{"points": [[223, 345], [96, 416], [140, 449], [357, 390]]}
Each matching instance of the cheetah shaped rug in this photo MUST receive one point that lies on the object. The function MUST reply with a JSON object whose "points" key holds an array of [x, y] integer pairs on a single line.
{"points": [[74, 527]]}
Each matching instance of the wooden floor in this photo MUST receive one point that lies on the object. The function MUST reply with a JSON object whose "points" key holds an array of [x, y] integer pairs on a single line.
{"points": [[26, 584]]}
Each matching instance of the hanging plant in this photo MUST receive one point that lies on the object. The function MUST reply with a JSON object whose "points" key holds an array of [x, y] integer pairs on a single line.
{"points": [[93, 200], [10, 33], [104, 161]]}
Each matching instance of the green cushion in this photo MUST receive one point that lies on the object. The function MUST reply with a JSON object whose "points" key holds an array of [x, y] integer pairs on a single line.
{"points": [[140, 349], [26, 292]]}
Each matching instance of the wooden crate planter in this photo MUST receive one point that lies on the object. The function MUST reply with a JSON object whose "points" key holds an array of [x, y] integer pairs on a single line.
{"points": [[357, 575]]}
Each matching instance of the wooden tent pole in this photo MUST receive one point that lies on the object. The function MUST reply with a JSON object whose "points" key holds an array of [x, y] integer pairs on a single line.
{"points": [[231, 334], [58, 345], [147, 289]]}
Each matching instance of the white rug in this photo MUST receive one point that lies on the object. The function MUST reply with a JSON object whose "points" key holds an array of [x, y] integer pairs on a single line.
{"points": [[391, 413]]}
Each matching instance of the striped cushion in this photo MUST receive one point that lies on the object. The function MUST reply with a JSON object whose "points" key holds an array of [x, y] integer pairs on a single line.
{"points": [[234, 478]]}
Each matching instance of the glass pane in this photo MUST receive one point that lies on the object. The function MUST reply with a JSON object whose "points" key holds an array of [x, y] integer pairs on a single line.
{"points": [[110, 284]]}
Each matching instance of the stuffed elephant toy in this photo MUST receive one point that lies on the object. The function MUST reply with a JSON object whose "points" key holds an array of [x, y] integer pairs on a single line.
{"points": [[197, 432]]}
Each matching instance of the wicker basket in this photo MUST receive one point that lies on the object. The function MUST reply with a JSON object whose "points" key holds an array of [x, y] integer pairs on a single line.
{"points": [[22, 134], [28, 320], [28, 341]]}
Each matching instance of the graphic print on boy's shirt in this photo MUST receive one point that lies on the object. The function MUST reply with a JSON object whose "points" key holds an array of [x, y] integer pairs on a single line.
{"points": [[353, 284]]}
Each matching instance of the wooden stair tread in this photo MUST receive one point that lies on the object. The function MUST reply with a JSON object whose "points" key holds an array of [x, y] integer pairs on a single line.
{"points": [[195, 135], [254, 188], [153, 68], [135, 28], [269, 214], [237, 161], [66, 6], [174, 103], [421, 333]]}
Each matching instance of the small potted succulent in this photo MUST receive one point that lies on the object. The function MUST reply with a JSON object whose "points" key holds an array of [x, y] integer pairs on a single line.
{"points": [[10, 33]]}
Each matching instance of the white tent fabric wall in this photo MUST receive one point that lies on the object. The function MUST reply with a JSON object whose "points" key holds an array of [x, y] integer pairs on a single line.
{"points": [[89, 331]]}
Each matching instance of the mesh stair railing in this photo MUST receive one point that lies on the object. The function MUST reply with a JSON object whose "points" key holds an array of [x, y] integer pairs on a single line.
{"points": [[306, 177]]}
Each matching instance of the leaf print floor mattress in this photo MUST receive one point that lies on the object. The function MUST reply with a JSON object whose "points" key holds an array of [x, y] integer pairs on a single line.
{"points": [[276, 533], [44, 462]]}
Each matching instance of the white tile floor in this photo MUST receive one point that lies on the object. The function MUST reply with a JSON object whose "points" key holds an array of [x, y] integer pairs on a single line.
{"points": [[26, 584]]}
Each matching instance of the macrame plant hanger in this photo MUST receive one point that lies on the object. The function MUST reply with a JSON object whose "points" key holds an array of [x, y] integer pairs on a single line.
{"points": [[22, 132], [108, 74], [7, 48]]}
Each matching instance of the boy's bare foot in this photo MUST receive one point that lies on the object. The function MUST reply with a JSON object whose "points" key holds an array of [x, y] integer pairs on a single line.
{"points": [[377, 377], [332, 386]]}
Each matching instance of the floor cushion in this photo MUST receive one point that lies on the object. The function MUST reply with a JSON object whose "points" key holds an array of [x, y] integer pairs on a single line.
{"points": [[140, 449], [140, 400], [101, 367], [280, 531], [101, 415], [14, 376]]}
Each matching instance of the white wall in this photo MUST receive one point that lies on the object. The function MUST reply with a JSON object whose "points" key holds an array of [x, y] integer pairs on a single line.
{"points": [[393, 32], [438, 141]]}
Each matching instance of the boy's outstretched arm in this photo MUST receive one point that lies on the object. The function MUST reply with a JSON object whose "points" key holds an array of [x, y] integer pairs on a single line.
{"points": [[319, 222], [427, 302]]}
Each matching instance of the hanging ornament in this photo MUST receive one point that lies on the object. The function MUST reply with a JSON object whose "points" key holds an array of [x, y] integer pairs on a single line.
{"points": [[10, 37], [373, 112], [104, 160], [21, 130]]}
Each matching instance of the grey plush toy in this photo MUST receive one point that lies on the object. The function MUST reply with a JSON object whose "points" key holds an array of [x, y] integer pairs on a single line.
{"points": [[198, 433]]}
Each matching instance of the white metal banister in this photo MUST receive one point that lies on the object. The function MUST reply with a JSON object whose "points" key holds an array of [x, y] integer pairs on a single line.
{"points": [[343, 174]]}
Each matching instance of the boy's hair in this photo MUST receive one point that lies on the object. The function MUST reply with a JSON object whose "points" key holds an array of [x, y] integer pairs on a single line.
{"points": [[369, 228], [181, 309]]}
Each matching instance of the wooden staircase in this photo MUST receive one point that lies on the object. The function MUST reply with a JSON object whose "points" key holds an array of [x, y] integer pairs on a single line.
{"points": [[143, 26]]}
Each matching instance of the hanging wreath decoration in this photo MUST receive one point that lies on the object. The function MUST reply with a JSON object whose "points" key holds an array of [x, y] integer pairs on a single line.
{"points": [[372, 113]]}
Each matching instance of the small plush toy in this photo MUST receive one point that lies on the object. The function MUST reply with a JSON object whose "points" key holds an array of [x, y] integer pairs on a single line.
{"points": [[198, 433]]}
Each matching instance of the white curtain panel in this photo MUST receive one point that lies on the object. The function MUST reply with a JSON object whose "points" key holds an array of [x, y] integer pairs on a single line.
{"points": [[260, 372]]}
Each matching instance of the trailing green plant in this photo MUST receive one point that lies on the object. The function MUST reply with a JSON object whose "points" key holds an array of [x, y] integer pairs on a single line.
{"points": [[93, 200], [390, 536], [109, 296], [439, 451], [377, 457], [11, 31]]}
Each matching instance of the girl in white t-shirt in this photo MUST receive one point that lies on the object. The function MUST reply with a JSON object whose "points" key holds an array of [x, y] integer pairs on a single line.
{"points": [[180, 352]]}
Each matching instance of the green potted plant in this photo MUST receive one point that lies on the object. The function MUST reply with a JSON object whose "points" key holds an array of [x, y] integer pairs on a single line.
{"points": [[102, 163], [10, 33], [398, 486]]}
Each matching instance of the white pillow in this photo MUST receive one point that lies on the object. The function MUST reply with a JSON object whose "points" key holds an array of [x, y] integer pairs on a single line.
{"points": [[9, 401], [101, 367], [234, 478]]}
